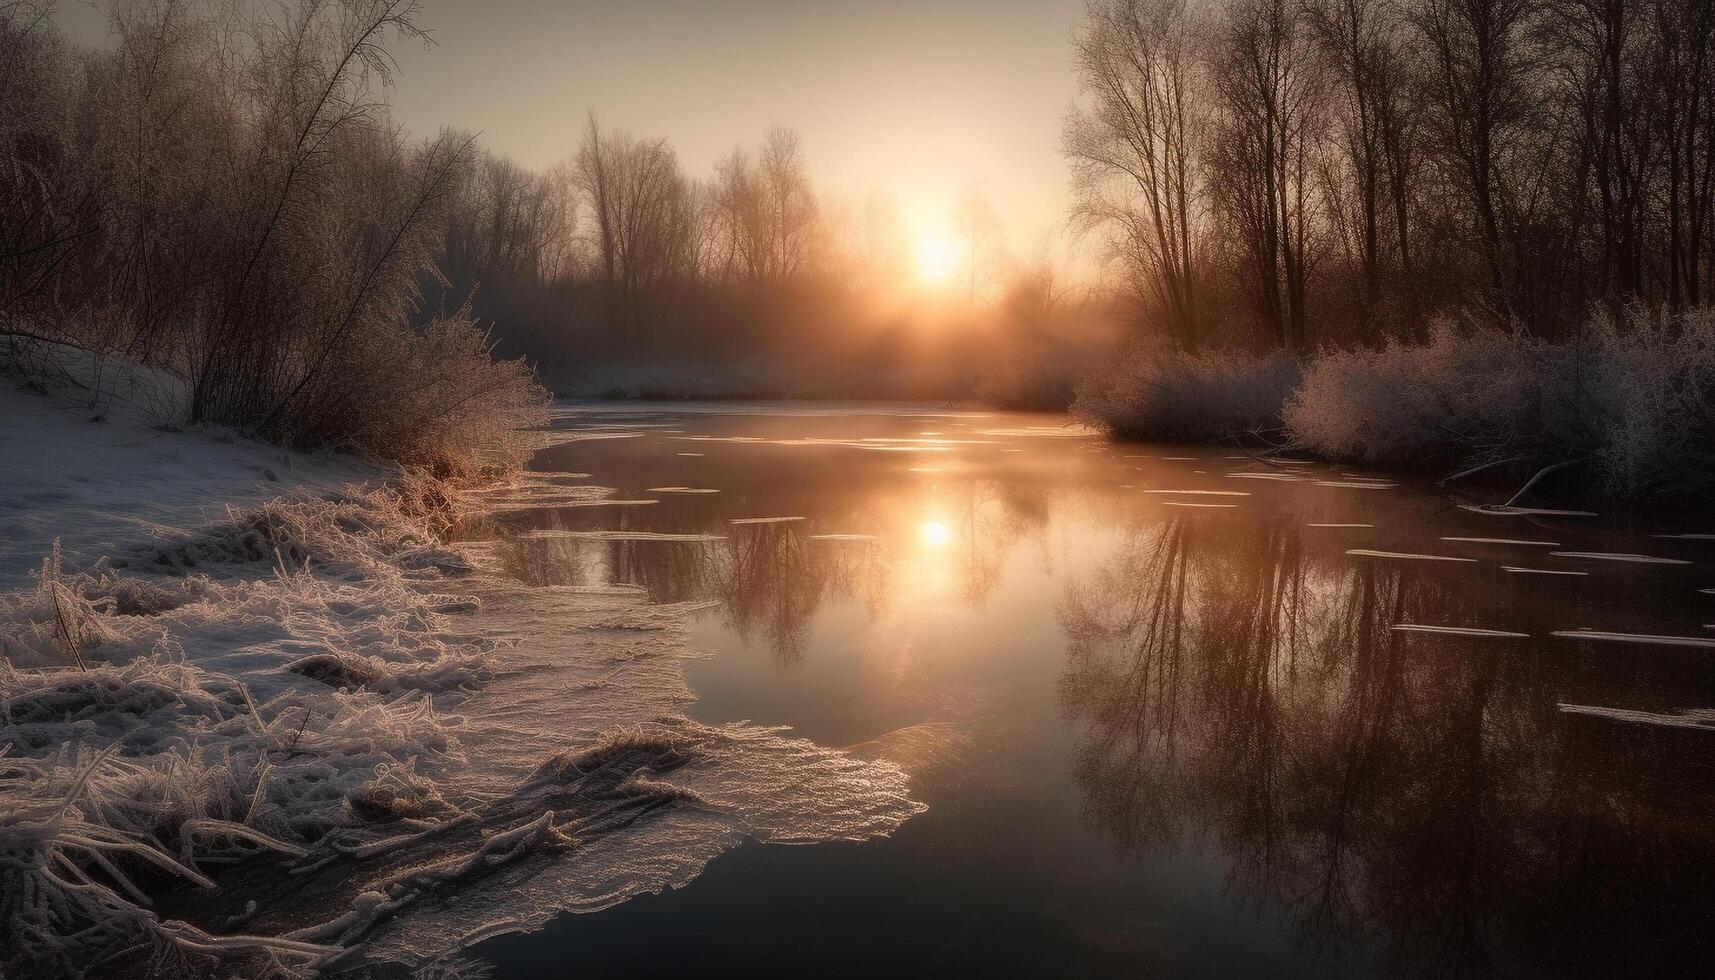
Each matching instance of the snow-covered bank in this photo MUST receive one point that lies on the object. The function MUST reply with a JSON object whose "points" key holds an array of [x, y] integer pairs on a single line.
{"points": [[299, 732], [1626, 406], [104, 486]]}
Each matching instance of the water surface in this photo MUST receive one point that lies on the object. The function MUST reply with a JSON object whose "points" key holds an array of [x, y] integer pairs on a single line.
{"points": [[1174, 710]]}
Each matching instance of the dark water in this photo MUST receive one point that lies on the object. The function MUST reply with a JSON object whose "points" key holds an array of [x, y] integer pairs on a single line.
{"points": [[1156, 739]]}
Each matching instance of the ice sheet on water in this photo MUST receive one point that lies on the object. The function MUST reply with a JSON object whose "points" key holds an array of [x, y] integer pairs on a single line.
{"points": [[566, 504], [1620, 556], [1698, 719], [1049, 431], [1372, 553], [1599, 636], [286, 686], [878, 447], [1502, 510], [549, 534], [1517, 541], [561, 437], [1473, 631]]}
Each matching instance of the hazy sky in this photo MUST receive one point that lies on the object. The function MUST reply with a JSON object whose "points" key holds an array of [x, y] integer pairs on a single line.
{"points": [[923, 100]]}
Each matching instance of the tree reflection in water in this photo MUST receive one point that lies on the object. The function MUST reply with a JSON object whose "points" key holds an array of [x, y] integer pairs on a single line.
{"points": [[772, 578], [1414, 802]]}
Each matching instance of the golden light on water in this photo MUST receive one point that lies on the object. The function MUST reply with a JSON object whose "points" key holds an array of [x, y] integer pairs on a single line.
{"points": [[934, 534]]}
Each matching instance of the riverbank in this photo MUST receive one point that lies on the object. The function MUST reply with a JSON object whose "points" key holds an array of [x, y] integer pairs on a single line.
{"points": [[259, 716], [1622, 410]]}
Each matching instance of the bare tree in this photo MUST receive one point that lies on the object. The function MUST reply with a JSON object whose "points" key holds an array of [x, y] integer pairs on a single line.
{"points": [[768, 208], [1478, 78], [790, 201], [1132, 146], [978, 228], [1269, 129], [1355, 43], [643, 215]]}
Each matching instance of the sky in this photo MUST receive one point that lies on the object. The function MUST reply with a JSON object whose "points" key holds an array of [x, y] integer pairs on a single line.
{"points": [[923, 101]]}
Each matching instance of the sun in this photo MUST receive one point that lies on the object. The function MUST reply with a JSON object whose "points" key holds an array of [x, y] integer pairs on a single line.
{"points": [[938, 256], [934, 533]]}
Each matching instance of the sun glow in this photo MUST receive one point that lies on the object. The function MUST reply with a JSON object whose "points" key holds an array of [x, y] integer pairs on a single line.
{"points": [[938, 255], [934, 534]]}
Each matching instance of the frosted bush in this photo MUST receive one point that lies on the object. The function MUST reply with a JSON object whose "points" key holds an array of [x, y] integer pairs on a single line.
{"points": [[1631, 402], [1154, 392]]}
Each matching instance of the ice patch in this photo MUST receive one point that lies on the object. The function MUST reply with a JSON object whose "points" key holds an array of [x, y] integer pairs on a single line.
{"points": [[1619, 556], [1072, 431], [286, 687], [1186, 503], [1371, 553], [549, 534], [1456, 630], [1698, 719], [1703, 642], [561, 437], [1502, 510], [1517, 541]]}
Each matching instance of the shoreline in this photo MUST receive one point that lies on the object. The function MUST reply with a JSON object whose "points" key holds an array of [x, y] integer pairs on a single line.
{"points": [[316, 683]]}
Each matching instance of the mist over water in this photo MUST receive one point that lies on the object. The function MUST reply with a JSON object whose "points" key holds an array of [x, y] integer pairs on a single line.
{"points": [[1321, 723]]}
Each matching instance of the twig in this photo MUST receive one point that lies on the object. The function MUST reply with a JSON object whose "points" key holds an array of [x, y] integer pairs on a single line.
{"points": [[1477, 469], [1534, 480], [292, 749], [67, 638]]}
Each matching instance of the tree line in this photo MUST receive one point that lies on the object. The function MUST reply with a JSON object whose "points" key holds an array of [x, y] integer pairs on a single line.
{"points": [[618, 268], [223, 197], [1291, 173], [223, 193]]}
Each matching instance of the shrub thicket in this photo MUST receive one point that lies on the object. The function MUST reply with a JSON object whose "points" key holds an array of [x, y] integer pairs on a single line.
{"points": [[228, 201]]}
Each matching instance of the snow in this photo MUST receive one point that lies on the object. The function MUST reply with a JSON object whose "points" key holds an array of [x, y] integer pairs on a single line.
{"points": [[103, 486], [294, 687]]}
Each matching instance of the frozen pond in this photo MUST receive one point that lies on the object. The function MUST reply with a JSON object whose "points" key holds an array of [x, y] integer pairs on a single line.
{"points": [[1173, 710]]}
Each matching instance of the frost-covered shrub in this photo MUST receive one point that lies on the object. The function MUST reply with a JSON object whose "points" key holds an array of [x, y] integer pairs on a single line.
{"points": [[1632, 400], [249, 223], [1154, 392], [1412, 403], [435, 398]]}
